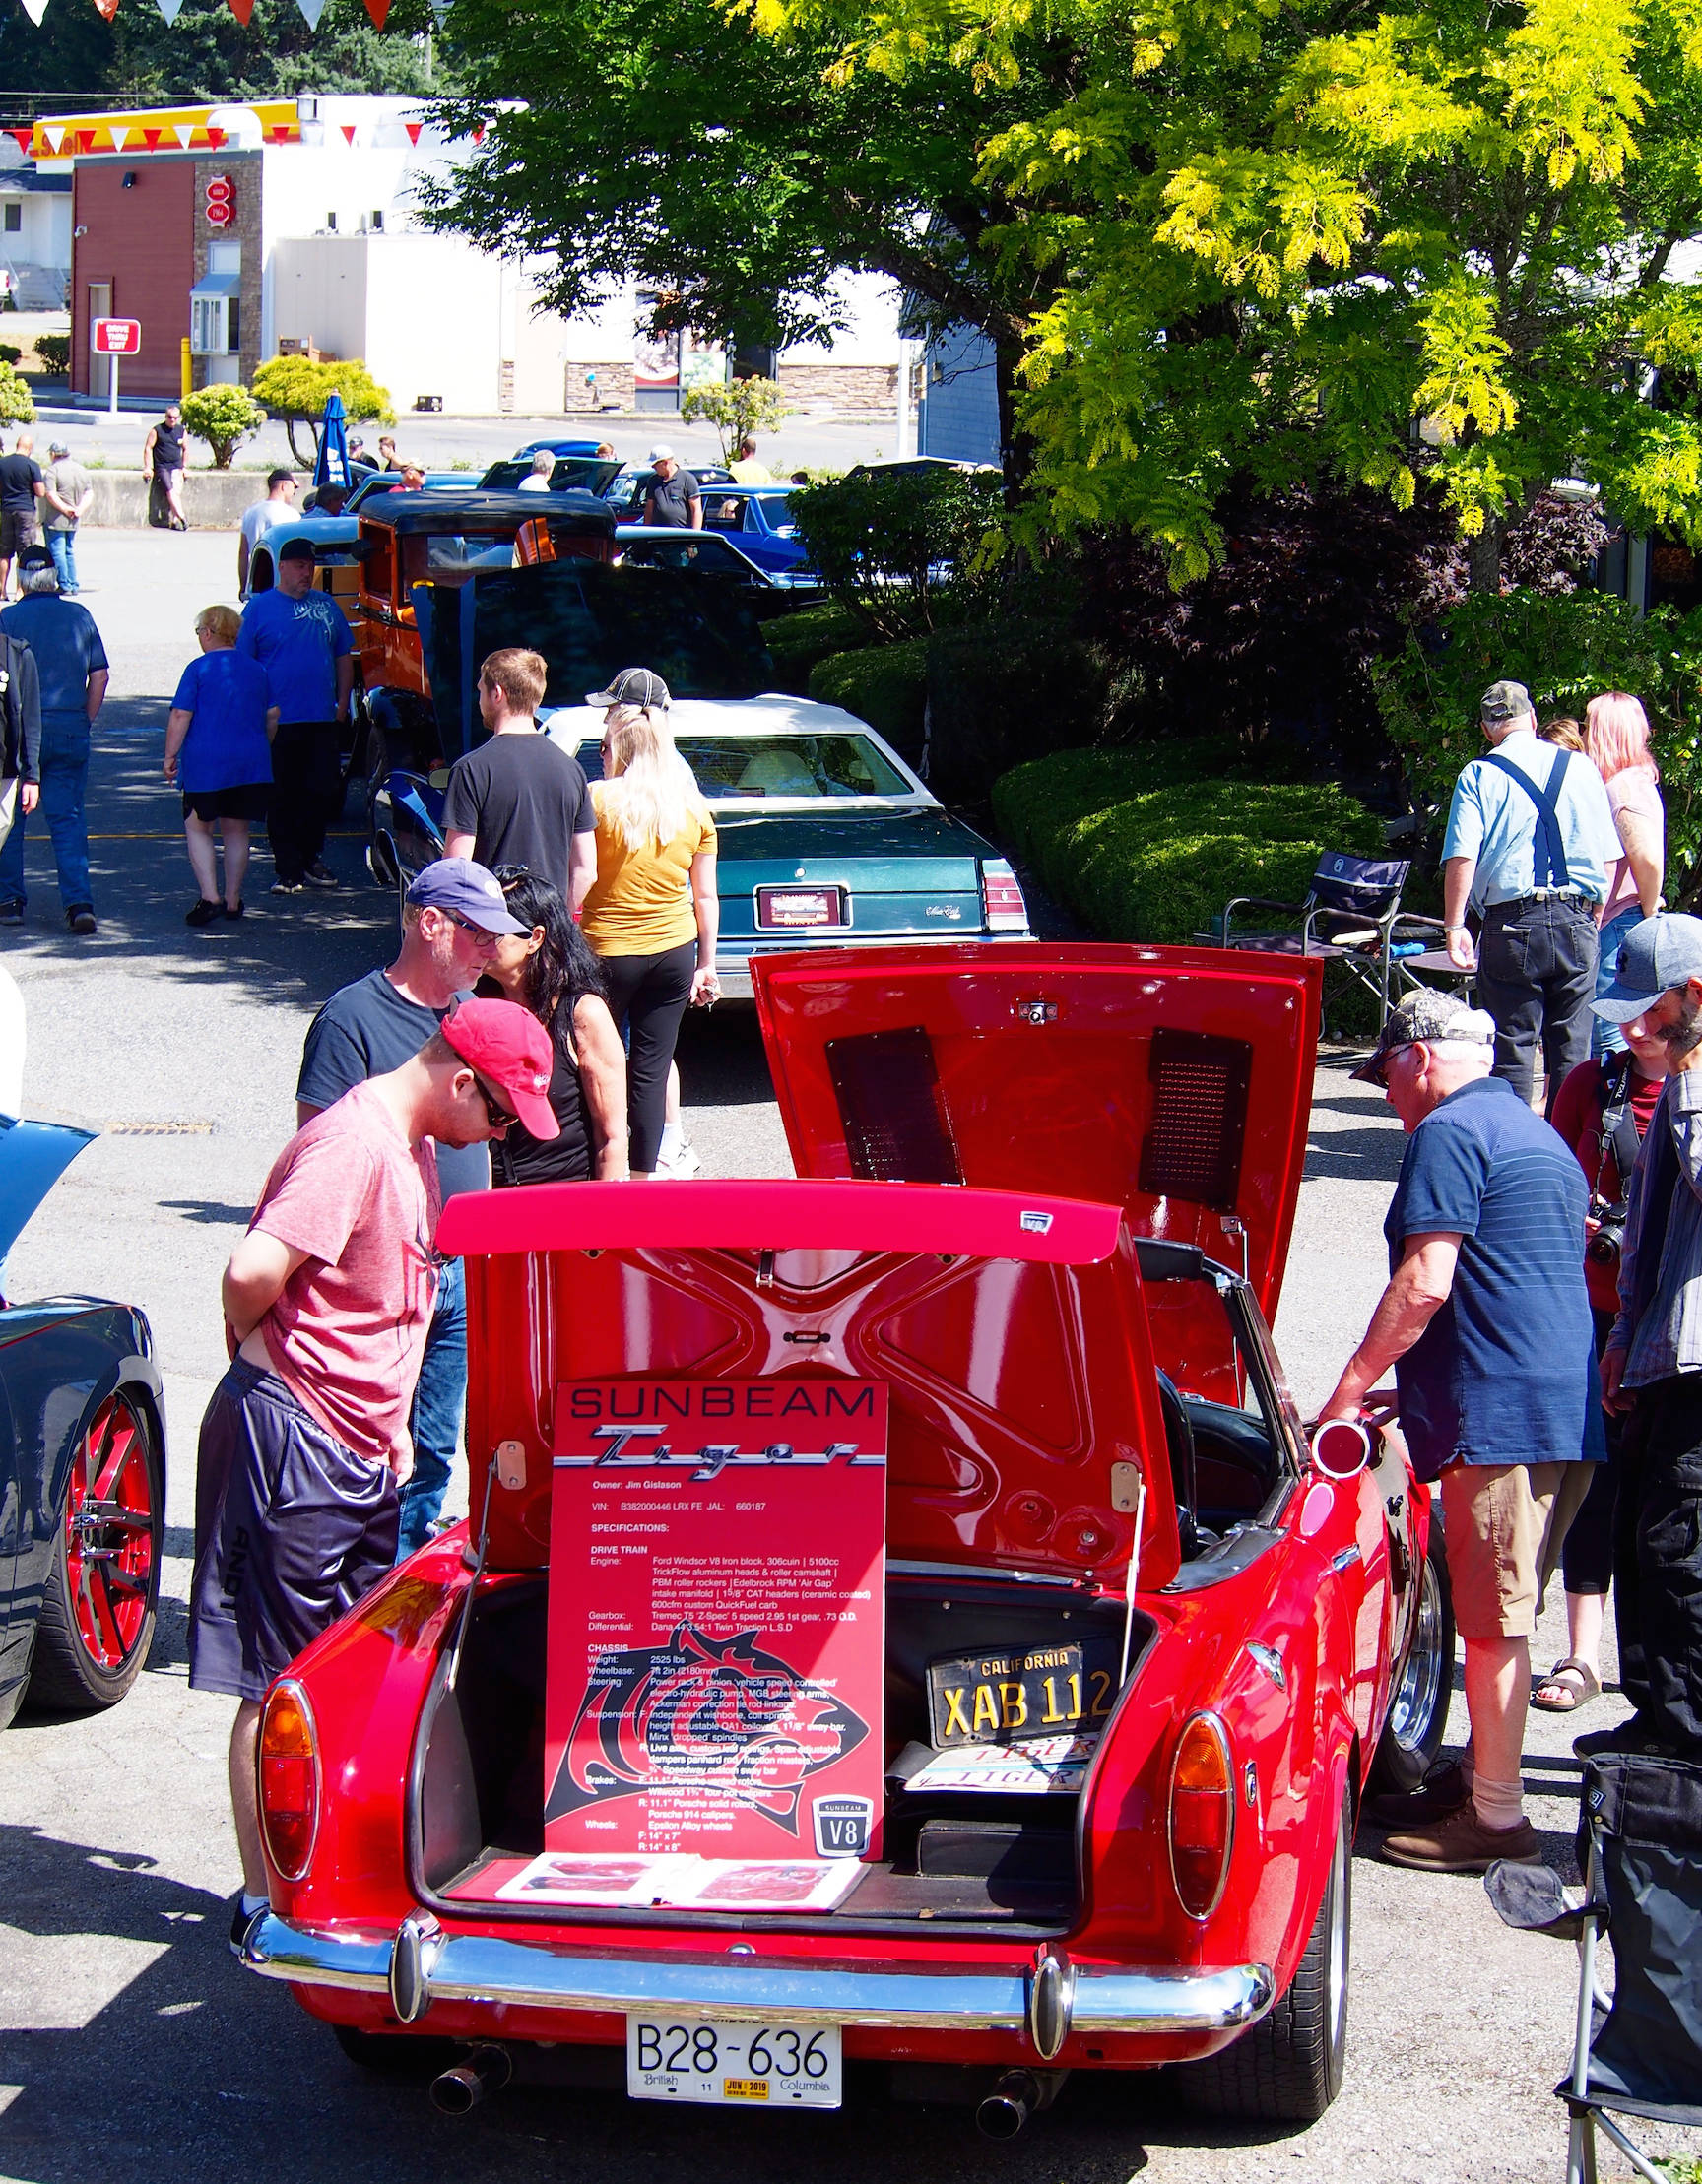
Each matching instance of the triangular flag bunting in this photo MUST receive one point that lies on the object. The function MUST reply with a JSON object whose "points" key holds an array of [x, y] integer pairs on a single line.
{"points": [[412, 128], [50, 130], [479, 133], [36, 10], [311, 10], [378, 10], [183, 131], [25, 138], [242, 10], [151, 136], [108, 8], [216, 137], [349, 128], [170, 9]]}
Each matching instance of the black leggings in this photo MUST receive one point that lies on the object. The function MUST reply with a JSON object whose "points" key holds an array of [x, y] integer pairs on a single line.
{"points": [[1586, 1557], [647, 997]]}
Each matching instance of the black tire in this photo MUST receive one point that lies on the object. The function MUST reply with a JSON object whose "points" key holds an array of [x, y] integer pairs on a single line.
{"points": [[1289, 2067], [1423, 1685], [381, 859], [67, 1673], [414, 2060]]}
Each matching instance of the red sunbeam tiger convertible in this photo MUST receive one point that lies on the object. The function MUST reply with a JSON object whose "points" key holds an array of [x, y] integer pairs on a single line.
{"points": [[902, 1619]]}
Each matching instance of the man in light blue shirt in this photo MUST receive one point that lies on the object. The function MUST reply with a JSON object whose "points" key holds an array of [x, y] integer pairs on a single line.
{"points": [[1531, 840], [300, 638]]}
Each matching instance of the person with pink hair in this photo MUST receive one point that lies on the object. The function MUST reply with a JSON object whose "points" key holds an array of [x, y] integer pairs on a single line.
{"points": [[1616, 738]]}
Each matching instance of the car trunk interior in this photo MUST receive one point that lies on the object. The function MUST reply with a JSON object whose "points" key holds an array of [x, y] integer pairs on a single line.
{"points": [[989, 1859]]}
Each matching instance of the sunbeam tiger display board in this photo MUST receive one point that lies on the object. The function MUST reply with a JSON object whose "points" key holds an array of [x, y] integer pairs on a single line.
{"points": [[717, 1612]]}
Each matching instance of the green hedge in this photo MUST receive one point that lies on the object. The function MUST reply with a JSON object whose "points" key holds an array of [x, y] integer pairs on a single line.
{"points": [[1002, 692], [1148, 844], [885, 685], [799, 642]]}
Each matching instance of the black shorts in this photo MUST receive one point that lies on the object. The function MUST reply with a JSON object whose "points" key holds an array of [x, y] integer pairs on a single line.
{"points": [[291, 1529], [247, 800]]}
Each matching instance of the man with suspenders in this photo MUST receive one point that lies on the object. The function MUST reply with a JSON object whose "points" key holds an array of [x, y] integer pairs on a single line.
{"points": [[1531, 841]]}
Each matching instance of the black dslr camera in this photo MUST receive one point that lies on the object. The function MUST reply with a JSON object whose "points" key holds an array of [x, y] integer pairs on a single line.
{"points": [[1608, 1241]]}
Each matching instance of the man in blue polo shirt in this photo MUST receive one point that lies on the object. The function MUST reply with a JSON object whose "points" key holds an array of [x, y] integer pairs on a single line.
{"points": [[1531, 841], [300, 638], [71, 661], [1487, 1322]]}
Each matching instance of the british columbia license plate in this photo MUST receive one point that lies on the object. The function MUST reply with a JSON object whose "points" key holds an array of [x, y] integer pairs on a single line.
{"points": [[787, 908], [713, 2059], [1004, 1695]]}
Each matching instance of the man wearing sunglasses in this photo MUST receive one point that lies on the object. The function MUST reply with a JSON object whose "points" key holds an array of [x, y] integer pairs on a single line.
{"points": [[327, 1303], [452, 919]]}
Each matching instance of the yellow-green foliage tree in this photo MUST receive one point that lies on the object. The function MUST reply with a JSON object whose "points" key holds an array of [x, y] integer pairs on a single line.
{"points": [[738, 408], [1277, 242], [295, 390], [17, 406]]}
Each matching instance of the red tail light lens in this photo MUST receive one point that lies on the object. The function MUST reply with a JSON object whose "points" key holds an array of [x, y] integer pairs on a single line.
{"points": [[1002, 907], [289, 1779], [1202, 1816]]}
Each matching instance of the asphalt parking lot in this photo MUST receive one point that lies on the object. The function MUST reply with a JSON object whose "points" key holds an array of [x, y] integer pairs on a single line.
{"points": [[131, 2047]]}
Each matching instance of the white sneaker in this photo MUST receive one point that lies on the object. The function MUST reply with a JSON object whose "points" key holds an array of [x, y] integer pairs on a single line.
{"points": [[680, 1164]]}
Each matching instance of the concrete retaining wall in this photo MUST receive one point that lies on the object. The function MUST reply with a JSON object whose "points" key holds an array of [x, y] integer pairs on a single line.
{"points": [[213, 499]]}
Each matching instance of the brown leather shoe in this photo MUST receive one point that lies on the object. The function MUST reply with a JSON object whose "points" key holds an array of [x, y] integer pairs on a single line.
{"points": [[1458, 1842], [1443, 1790]]}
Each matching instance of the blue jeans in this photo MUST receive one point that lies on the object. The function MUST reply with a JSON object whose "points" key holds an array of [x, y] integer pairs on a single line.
{"points": [[439, 1403], [62, 544], [64, 784], [1607, 1038]]}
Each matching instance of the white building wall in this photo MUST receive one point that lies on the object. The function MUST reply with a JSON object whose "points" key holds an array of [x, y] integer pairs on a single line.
{"points": [[870, 337], [434, 321], [319, 294]]}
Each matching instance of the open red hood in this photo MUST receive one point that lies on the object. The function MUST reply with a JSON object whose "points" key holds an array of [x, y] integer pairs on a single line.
{"points": [[1176, 1081], [1009, 1330]]}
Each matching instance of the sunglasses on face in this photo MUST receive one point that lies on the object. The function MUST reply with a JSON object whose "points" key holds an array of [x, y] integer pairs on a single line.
{"points": [[498, 1115], [481, 938]]}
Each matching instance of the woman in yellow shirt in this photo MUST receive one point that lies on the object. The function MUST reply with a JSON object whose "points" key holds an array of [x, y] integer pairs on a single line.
{"points": [[652, 913]]}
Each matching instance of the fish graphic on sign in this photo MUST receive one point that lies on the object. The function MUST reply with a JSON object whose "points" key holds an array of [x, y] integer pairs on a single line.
{"points": [[712, 1713]]}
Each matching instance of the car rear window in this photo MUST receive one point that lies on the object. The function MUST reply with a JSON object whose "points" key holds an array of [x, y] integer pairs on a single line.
{"points": [[735, 768]]}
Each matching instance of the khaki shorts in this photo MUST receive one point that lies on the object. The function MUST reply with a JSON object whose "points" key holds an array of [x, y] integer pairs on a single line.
{"points": [[1504, 1525]]}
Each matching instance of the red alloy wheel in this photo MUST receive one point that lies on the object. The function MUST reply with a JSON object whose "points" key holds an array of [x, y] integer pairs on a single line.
{"points": [[111, 1523]]}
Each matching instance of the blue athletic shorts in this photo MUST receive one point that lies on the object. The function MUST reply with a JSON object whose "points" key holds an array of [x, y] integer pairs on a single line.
{"points": [[291, 1528]]}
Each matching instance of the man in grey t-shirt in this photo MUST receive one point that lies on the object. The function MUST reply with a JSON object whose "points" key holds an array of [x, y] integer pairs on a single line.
{"points": [[68, 493], [673, 498]]}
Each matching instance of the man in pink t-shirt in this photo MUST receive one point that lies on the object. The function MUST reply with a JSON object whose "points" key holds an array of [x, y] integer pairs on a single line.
{"points": [[327, 1299]]}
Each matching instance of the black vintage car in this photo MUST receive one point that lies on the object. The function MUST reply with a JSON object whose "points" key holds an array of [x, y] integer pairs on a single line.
{"points": [[82, 1468]]}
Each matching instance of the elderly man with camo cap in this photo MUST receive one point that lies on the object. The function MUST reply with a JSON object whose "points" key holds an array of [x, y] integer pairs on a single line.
{"points": [[1487, 1324]]}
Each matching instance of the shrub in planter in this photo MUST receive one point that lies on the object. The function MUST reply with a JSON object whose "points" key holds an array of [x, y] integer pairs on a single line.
{"points": [[885, 685], [54, 351], [16, 404], [223, 415], [1149, 844], [796, 642]]}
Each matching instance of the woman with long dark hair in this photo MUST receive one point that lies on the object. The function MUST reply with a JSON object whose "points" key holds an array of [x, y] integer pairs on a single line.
{"points": [[550, 971]]}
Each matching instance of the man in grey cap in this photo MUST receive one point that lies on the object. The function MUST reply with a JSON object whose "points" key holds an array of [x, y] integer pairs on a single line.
{"points": [[673, 497], [1487, 1324], [1529, 843], [451, 922], [68, 494], [1652, 1368]]}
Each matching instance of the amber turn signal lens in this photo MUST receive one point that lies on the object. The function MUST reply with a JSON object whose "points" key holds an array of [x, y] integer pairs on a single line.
{"points": [[1202, 1816], [289, 1780]]}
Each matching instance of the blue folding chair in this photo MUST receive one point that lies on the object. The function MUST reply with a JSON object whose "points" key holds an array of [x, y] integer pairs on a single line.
{"points": [[1351, 916]]}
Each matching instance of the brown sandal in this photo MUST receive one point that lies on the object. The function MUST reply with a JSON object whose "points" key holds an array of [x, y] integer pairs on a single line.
{"points": [[1567, 1701]]}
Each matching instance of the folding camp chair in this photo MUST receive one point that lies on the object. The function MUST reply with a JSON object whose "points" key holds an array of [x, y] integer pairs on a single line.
{"points": [[1640, 1847], [1351, 916]]}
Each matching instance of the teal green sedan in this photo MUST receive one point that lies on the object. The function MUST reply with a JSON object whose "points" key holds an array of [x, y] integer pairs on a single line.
{"points": [[825, 835]]}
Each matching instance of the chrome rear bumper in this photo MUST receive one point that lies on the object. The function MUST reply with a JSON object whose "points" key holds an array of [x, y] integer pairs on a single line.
{"points": [[1047, 2002]]}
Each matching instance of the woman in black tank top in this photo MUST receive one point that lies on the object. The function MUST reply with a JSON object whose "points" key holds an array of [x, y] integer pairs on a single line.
{"points": [[552, 972]]}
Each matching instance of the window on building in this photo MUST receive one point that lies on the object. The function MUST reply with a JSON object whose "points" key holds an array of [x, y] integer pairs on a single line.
{"points": [[377, 223], [13, 220], [330, 224], [233, 324]]}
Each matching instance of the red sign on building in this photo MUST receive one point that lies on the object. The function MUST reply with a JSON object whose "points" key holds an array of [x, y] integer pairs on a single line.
{"points": [[115, 337], [717, 1613], [221, 200]]}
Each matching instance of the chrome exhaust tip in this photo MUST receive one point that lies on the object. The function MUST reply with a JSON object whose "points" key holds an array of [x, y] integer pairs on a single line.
{"points": [[1018, 2094], [457, 2092]]}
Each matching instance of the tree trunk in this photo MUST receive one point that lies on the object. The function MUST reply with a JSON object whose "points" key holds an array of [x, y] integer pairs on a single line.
{"points": [[301, 462], [1484, 555], [1016, 447]]}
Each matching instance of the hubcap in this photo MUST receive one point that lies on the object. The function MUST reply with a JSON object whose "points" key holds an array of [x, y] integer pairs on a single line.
{"points": [[109, 1535], [1415, 1706]]}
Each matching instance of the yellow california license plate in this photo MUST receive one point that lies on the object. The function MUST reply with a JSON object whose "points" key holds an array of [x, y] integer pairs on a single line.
{"points": [[1003, 1697]]}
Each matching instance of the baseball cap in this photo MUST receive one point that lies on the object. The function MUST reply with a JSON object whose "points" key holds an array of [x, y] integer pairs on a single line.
{"points": [[297, 549], [661, 453], [57, 447], [34, 558], [1663, 952], [457, 884], [508, 1045], [1504, 701], [631, 687], [1424, 1014]]}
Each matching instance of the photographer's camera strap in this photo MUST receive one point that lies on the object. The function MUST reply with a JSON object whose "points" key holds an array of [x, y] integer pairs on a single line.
{"points": [[1618, 1127]]}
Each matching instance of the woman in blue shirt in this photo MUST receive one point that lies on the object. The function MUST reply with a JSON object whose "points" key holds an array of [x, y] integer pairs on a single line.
{"points": [[219, 748]]}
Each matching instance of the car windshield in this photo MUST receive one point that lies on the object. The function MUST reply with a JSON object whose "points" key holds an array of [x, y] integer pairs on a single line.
{"points": [[742, 768], [685, 549]]}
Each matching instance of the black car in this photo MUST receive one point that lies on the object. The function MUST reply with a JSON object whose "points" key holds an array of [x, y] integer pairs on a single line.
{"points": [[82, 1469]]}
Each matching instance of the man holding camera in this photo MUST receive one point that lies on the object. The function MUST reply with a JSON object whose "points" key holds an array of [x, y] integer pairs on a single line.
{"points": [[1652, 1368]]}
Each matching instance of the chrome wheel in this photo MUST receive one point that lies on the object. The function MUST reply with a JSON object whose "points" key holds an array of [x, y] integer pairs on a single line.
{"points": [[1426, 1671]]}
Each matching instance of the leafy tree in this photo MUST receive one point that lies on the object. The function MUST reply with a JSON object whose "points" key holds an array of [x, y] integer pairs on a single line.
{"points": [[763, 172], [75, 57], [896, 549], [1277, 239], [223, 417], [295, 390], [16, 407], [738, 408]]}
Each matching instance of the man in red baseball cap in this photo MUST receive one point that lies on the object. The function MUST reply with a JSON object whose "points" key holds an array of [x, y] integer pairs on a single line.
{"points": [[327, 1301]]}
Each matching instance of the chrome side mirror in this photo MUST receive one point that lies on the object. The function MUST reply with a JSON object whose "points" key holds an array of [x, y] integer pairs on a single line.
{"points": [[1340, 1448]]}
